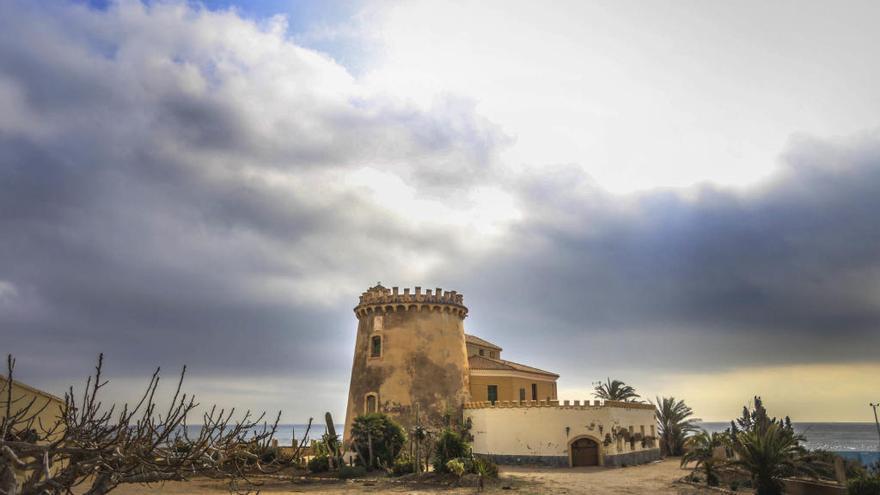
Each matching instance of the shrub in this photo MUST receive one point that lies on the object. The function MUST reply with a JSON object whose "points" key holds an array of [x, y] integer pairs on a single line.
{"points": [[348, 472], [734, 485], [319, 464], [182, 446], [823, 462], [484, 467], [449, 446], [403, 465], [386, 436], [455, 466], [768, 454], [270, 455], [863, 486]]}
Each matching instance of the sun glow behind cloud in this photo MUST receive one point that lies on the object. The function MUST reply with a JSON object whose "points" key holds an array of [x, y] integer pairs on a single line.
{"points": [[638, 95]]}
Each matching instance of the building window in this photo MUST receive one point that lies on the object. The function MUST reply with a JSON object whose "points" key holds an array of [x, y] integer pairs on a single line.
{"points": [[482, 352], [492, 354], [522, 394], [652, 431], [376, 346], [493, 393], [372, 404], [534, 391]]}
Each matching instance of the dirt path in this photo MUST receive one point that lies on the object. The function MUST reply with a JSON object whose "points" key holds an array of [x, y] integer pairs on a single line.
{"points": [[655, 478]]}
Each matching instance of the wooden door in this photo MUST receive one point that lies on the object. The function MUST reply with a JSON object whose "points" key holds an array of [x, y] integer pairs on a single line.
{"points": [[584, 452]]}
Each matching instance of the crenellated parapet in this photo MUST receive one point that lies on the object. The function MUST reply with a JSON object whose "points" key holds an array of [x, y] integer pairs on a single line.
{"points": [[380, 300], [596, 404]]}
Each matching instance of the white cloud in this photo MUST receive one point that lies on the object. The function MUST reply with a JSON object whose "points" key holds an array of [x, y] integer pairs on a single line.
{"points": [[639, 96]]}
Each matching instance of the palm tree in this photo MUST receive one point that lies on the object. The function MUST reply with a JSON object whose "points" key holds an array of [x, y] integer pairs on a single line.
{"points": [[674, 418], [770, 454], [701, 450], [615, 390]]}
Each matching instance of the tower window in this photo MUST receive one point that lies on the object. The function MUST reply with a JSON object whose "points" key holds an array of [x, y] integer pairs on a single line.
{"points": [[372, 404], [376, 346]]}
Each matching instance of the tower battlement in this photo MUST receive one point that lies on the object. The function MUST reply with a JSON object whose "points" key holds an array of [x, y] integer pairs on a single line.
{"points": [[380, 299]]}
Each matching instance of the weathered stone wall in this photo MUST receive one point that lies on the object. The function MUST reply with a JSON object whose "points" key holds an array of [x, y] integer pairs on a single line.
{"points": [[423, 358], [541, 433]]}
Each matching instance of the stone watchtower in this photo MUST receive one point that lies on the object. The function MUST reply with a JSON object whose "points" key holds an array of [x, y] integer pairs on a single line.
{"points": [[410, 349]]}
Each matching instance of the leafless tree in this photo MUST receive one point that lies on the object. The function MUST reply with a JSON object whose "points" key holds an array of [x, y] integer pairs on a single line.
{"points": [[98, 448]]}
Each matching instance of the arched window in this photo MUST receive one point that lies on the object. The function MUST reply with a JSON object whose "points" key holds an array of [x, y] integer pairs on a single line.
{"points": [[372, 404], [376, 346]]}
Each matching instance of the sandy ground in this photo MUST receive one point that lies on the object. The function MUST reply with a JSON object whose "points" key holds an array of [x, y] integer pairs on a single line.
{"points": [[657, 478]]}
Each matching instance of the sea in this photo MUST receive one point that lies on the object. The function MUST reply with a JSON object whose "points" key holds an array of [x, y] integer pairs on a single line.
{"points": [[856, 441], [286, 433]]}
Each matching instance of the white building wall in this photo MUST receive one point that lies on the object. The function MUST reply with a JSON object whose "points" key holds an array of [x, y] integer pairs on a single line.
{"points": [[522, 433]]}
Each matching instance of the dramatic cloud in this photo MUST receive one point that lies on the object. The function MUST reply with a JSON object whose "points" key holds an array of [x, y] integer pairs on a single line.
{"points": [[185, 186], [181, 185]]}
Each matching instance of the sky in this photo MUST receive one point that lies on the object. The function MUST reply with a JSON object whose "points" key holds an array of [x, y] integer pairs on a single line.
{"points": [[681, 195]]}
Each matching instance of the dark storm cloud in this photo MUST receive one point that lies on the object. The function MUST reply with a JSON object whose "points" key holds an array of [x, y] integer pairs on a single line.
{"points": [[706, 278], [175, 199]]}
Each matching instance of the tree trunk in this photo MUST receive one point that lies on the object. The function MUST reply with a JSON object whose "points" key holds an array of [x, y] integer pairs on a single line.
{"points": [[370, 447]]}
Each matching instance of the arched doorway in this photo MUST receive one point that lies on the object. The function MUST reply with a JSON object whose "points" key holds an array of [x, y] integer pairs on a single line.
{"points": [[584, 452]]}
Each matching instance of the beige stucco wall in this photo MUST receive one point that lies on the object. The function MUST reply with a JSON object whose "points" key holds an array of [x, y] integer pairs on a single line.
{"points": [[22, 395], [509, 386], [548, 431], [424, 361]]}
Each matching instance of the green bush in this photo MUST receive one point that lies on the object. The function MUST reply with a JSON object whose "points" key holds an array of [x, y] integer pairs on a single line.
{"points": [[403, 465], [449, 446], [386, 436], [734, 485], [484, 467], [319, 464], [864, 486], [456, 467], [348, 472]]}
